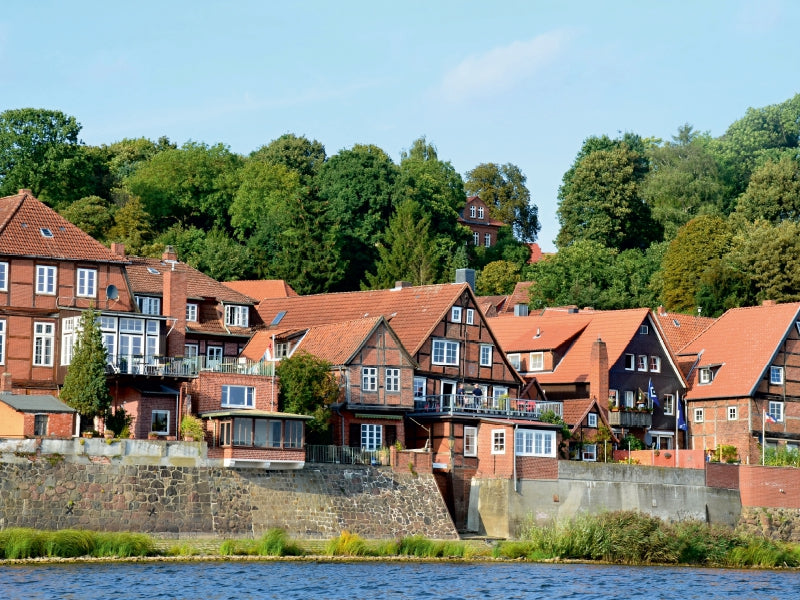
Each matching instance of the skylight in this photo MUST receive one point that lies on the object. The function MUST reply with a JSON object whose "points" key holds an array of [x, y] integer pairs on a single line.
{"points": [[45, 232], [153, 271]]}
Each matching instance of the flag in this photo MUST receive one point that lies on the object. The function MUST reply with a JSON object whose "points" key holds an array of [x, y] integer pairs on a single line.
{"points": [[681, 418], [769, 418], [651, 393]]}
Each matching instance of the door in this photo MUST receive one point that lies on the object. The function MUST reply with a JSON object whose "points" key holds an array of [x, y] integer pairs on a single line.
{"points": [[130, 353], [448, 396], [213, 357]]}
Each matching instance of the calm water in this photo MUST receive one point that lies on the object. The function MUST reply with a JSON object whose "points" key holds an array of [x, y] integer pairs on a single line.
{"points": [[287, 580]]}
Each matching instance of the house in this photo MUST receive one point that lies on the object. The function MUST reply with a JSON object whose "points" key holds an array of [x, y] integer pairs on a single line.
{"points": [[475, 216], [611, 356], [33, 415], [515, 303], [745, 375]]}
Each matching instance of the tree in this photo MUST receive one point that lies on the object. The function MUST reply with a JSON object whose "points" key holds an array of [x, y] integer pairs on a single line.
{"points": [[307, 387], [85, 388], [92, 214], [298, 154], [497, 278], [503, 190], [773, 193], [213, 252], [131, 226], [409, 251]]}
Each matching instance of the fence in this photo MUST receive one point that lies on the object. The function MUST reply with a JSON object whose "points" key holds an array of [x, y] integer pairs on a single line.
{"points": [[345, 455]]}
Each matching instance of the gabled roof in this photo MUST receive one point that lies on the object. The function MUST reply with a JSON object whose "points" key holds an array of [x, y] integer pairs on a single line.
{"points": [[743, 341], [412, 312], [575, 412], [538, 332], [259, 289], [506, 304], [487, 220], [35, 404], [30, 228], [680, 329]]}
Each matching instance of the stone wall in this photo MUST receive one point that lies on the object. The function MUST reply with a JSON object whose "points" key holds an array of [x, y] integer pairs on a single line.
{"points": [[776, 523], [320, 501]]}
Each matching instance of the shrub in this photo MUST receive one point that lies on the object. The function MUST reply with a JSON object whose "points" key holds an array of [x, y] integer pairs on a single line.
{"points": [[347, 544], [123, 544], [276, 543], [193, 427], [69, 543]]}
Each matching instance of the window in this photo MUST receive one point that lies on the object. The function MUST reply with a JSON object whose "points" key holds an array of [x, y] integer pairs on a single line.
{"points": [[455, 314], [191, 313], [629, 398], [369, 379], [45, 280], [629, 361], [213, 356], [225, 433], [732, 413], [535, 443], [419, 387], [486, 355], [699, 415], [40, 425], [293, 431], [242, 432], [87, 283], [191, 351], [43, 344], [3, 276], [644, 330], [238, 396], [655, 364], [392, 380], [642, 362], [776, 411], [470, 316], [514, 360], [613, 397], [46, 233], [470, 441], [281, 349], [487, 239], [498, 441], [445, 352], [149, 305], [480, 212], [776, 375], [705, 376], [472, 211], [159, 422], [476, 238], [668, 403], [371, 436], [536, 361], [237, 316], [589, 452], [592, 419], [2, 342]]}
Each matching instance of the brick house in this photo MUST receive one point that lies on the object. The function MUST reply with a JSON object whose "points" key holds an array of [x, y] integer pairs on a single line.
{"points": [[475, 217], [33, 415], [746, 365]]}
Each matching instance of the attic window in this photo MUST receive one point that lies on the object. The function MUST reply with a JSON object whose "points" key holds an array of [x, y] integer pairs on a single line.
{"points": [[45, 232], [153, 271], [706, 375], [644, 330], [676, 323]]}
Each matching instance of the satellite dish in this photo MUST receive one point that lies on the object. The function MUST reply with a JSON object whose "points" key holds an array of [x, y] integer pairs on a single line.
{"points": [[112, 293]]}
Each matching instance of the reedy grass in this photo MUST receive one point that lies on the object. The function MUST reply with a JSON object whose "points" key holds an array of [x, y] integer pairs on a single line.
{"points": [[21, 542]]}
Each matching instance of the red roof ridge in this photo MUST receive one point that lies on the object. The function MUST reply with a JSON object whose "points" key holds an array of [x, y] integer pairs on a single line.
{"points": [[13, 211]]}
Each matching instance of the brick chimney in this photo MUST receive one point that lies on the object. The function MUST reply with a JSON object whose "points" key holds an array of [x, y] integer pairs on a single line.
{"points": [[6, 384], [174, 296], [118, 248], [598, 373]]}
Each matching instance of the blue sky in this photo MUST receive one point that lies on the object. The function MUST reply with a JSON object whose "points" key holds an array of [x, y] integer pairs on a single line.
{"points": [[523, 82]]}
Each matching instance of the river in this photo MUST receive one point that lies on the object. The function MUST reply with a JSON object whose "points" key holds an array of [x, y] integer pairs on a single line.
{"points": [[370, 580]]}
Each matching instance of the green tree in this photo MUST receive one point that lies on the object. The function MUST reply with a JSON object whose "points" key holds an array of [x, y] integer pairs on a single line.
{"points": [[409, 251], [308, 387], [497, 278], [697, 244], [503, 190], [85, 388], [131, 226], [770, 255], [773, 193], [298, 154], [92, 214], [213, 252]]}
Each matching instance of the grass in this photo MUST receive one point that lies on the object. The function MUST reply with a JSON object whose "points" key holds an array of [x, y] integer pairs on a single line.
{"points": [[72, 543], [274, 542]]}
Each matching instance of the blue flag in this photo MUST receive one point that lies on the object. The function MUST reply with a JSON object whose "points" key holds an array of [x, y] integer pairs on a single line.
{"points": [[681, 419], [651, 393]]}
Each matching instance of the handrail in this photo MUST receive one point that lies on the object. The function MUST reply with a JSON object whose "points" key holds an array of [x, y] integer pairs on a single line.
{"points": [[469, 404], [184, 366]]}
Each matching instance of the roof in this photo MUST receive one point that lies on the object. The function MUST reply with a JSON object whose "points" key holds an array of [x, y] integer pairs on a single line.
{"points": [[412, 311], [30, 228], [35, 404], [537, 332], [262, 288], [744, 342], [494, 305], [680, 329]]}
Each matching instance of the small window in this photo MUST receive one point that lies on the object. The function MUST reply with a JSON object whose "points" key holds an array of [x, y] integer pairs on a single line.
{"points": [[392, 380], [470, 316], [371, 436], [3, 276], [699, 415], [445, 352], [149, 305], [45, 232], [487, 240], [238, 396], [644, 330], [776, 411], [668, 402], [629, 398], [153, 271], [705, 375], [472, 211], [776, 375], [476, 238], [592, 419], [514, 360], [732, 413], [455, 314], [470, 441], [589, 452], [40, 425], [486, 355], [87, 283], [45, 280], [629, 362], [369, 379], [237, 316], [480, 212], [613, 397], [655, 364], [191, 313], [419, 387], [537, 361], [498, 441], [642, 362], [159, 422]]}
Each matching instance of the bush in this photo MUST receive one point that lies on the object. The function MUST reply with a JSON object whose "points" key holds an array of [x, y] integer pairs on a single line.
{"points": [[347, 544], [191, 426]]}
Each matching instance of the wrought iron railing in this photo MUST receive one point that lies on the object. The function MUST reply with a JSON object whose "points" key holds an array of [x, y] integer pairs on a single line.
{"points": [[180, 366], [345, 455], [502, 406]]}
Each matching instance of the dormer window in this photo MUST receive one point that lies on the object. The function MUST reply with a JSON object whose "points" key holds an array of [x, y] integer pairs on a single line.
{"points": [[191, 312], [705, 375], [149, 305], [480, 212], [237, 316], [472, 211]]}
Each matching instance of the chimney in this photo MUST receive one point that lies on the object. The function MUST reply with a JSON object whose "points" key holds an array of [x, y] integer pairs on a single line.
{"points": [[5, 383], [399, 285], [768, 303], [169, 256], [466, 276], [598, 373], [118, 248], [174, 296]]}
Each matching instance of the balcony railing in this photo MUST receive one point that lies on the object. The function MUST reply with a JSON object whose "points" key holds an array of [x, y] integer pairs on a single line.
{"points": [[178, 366], [630, 418], [345, 455], [502, 406]]}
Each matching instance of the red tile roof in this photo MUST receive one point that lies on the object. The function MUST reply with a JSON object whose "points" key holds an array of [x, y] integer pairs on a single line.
{"points": [[681, 329], [537, 332], [743, 342], [22, 220], [262, 288]]}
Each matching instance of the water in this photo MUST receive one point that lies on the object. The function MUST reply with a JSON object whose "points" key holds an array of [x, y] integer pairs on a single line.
{"points": [[289, 580]]}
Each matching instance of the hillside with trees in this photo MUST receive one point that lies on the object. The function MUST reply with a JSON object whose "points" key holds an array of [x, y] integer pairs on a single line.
{"points": [[692, 222]]}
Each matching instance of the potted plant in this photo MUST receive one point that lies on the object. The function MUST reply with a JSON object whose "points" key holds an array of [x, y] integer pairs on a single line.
{"points": [[152, 435], [108, 434], [192, 428]]}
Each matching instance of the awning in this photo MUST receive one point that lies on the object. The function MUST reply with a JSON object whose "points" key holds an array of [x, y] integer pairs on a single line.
{"points": [[244, 412]]}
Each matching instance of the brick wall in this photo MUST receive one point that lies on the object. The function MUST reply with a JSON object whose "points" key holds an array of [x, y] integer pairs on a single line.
{"points": [[536, 467], [719, 475], [774, 487], [206, 390]]}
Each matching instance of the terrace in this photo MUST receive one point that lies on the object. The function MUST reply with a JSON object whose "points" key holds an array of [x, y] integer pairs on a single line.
{"points": [[456, 404], [179, 366]]}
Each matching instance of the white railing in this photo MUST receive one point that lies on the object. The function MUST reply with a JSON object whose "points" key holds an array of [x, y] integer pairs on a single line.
{"points": [[469, 404], [179, 366]]}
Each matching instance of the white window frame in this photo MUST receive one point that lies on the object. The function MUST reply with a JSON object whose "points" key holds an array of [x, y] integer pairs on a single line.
{"points": [[476, 238], [392, 382], [86, 285], [248, 396], [153, 418], [776, 375], [471, 211], [487, 240], [630, 362], [655, 364], [237, 315], [371, 436], [369, 379], [589, 453], [191, 312], [613, 397], [498, 441], [699, 415], [480, 212], [591, 420], [668, 404], [732, 413], [43, 342], [149, 305], [455, 314], [470, 441], [641, 363], [514, 359], [775, 410], [3, 276], [644, 330], [470, 316], [536, 361], [486, 355], [420, 385], [531, 442], [630, 399], [2, 341], [447, 352], [705, 376], [46, 280]]}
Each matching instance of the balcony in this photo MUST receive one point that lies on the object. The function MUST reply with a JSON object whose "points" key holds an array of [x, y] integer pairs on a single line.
{"points": [[630, 418], [178, 366], [453, 404]]}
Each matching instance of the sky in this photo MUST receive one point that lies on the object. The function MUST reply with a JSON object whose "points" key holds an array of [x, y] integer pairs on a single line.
{"points": [[521, 82]]}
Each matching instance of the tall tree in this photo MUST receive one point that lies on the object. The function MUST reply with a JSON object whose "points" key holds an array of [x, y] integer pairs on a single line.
{"points": [[503, 190], [132, 225], [92, 214], [770, 255], [296, 153], [773, 193], [85, 388], [308, 387], [498, 277]]}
